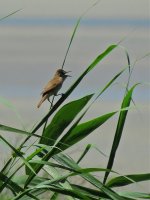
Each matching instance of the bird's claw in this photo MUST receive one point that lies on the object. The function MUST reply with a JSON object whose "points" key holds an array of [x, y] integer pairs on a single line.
{"points": [[62, 94]]}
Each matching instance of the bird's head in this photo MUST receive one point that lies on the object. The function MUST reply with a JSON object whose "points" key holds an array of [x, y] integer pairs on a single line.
{"points": [[62, 73]]}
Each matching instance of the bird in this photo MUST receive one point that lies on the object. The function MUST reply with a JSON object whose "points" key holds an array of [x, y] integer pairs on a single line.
{"points": [[53, 86]]}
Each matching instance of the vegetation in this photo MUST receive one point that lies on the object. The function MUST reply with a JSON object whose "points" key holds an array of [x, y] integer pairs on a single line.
{"points": [[48, 171]]}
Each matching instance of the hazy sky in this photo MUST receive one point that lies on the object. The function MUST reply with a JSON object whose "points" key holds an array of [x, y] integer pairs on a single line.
{"points": [[106, 8], [31, 50], [34, 51]]}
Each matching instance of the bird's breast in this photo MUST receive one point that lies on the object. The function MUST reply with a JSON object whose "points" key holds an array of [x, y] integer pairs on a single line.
{"points": [[59, 85]]}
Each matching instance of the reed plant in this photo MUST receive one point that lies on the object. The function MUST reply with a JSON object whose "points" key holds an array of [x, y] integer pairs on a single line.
{"points": [[43, 170]]}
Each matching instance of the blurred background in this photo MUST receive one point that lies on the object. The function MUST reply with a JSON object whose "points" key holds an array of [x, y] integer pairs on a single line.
{"points": [[33, 43]]}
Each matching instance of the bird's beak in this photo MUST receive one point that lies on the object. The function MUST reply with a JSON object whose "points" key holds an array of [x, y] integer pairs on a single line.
{"points": [[66, 73]]}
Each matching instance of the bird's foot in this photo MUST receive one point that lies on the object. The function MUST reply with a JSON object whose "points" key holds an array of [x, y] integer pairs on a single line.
{"points": [[61, 94]]}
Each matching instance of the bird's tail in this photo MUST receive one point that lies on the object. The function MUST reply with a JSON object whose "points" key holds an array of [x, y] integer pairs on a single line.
{"points": [[42, 100]]}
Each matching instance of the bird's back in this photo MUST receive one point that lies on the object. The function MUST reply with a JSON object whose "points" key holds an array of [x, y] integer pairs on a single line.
{"points": [[53, 86]]}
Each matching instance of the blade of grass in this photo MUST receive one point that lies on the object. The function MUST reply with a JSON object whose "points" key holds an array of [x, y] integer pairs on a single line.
{"points": [[13, 186], [75, 29], [122, 180], [71, 164], [86, 150], [41, 162], [62, 119], [20, 180], [88, 147], [54, 173], [6, 167], [10, 14], [62, 159], [135, 195], [54, 196], [19, 131], [18, 153], [119, 130], [76, 172], [77, 133], [57, 189], [82, 172], [89, 191], [14, 130]]}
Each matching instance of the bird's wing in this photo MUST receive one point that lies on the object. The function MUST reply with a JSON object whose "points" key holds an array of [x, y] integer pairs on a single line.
{"points": [[51, 85]]}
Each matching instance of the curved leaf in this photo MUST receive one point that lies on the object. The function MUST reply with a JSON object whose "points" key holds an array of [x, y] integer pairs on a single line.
{"points": [[18, 153], [80, 131], [14, 130], [122, 180], [119, 130], [135, 195], [14, 187], [64, 160], [74, 31], [62, 119]]}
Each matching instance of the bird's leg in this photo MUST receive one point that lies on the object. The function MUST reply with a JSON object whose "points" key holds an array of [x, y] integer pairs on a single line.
{"points": [[49, 100], [52, 101]]}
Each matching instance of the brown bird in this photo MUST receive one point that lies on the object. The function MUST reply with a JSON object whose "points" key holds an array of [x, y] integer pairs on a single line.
{"points": [[53, 86]]}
